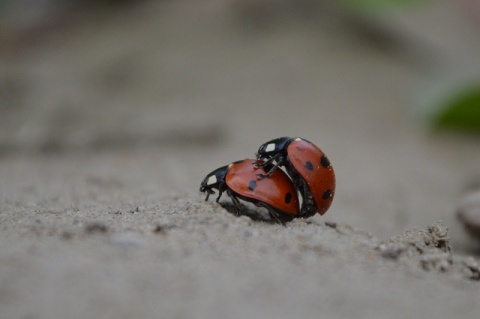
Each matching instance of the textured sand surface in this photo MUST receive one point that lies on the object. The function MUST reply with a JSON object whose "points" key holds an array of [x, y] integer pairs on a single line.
{"points": [[109, 125]]}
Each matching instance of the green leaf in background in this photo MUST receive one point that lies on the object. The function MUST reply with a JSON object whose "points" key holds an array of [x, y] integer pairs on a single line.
{"points": [[461, 111]]}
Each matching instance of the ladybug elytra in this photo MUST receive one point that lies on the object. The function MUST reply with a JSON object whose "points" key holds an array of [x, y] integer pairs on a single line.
{"points": [[239, 180], [309, 168]]}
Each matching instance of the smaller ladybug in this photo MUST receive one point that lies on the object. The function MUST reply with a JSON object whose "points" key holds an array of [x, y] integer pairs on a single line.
{"points": [[309, 168], [239, 180]]}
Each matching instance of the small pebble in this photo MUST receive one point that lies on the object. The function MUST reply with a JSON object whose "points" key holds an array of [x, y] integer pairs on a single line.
{"points": [[95, 227], [331, 224], [391, 251]]}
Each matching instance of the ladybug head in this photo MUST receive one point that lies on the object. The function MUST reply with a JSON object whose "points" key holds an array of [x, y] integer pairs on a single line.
{"points": [[214, 180], [273, 147], [206, 189]]}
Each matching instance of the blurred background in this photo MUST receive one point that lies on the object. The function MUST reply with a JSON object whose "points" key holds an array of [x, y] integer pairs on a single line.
{"points": [[141, 99]]}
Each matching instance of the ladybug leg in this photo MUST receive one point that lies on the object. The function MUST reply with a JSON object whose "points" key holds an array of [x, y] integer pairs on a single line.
{"points": [[235, 201], [279, 159], [221, 189], [209, 192], [274, 216], [268, 161], [308, 208], [279, 218]]}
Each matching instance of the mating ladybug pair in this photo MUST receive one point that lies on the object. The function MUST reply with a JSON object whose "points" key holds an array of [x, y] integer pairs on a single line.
{"points": [[260, 182]]}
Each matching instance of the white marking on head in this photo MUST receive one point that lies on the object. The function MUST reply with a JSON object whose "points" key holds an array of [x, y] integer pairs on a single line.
{"points": [[212, 180], [270, 147]]}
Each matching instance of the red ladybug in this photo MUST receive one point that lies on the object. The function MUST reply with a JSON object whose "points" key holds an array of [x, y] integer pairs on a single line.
{"points": [[309, 168], [239, 180]]}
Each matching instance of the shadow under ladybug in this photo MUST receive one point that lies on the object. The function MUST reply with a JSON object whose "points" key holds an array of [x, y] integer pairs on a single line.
{"points": [[259, 214]]}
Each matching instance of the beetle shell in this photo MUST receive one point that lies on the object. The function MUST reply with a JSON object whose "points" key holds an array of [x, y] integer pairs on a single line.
{"points": [[315, 169], [277, 190]]}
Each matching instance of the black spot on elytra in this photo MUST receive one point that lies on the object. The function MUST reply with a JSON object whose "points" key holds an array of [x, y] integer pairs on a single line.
{"points": [[252, 184], [309, 166], [327, 194], [288, 198], [325, 162]]}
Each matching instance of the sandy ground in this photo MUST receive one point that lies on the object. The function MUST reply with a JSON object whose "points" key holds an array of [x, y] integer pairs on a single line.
{"points": [[110, 123]]}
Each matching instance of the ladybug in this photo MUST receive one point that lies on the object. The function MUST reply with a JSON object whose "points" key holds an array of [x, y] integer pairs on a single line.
{"points": [[309, 168], [239, 180]]}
